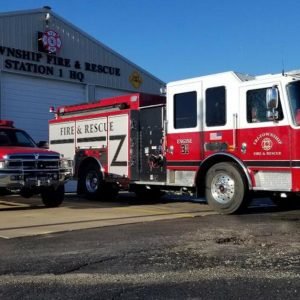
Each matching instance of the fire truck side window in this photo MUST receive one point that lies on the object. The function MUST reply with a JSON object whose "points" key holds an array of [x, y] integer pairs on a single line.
{"points": [[185, 110], [256, 106], [215, 102]]}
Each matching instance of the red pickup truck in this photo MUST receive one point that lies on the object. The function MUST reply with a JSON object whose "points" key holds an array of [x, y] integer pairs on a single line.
{"points": [[27, 169]]}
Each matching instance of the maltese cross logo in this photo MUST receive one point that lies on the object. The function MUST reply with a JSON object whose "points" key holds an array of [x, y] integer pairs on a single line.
{"points": [[266, 144]]}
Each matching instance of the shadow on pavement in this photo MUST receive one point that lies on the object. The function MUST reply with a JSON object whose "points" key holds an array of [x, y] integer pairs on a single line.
{"points": [[125, 199]]}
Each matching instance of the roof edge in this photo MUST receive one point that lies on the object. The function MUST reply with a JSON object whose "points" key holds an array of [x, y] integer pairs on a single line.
{"points": [[47, 10], [24, 12]]}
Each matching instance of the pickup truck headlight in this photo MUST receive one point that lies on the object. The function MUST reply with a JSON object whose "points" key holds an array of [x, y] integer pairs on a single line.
{"points": [[65, 164], [2, 164]]}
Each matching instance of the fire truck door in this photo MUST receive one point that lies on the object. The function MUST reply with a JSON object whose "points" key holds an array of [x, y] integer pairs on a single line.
{"points": [[263, 142], [152, 161]]}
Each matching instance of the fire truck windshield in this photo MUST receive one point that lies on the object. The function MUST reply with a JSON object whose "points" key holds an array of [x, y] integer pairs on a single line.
{"points": [[15, 138], [293, 90]]}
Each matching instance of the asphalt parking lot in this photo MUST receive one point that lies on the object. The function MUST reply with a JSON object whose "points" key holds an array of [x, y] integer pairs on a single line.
{"points": [[28, 217], [176, 256]]}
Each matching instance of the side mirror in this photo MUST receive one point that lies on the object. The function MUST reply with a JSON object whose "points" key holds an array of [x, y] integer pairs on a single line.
{"points": [[272, 98], [272, 101], [43, 144]]}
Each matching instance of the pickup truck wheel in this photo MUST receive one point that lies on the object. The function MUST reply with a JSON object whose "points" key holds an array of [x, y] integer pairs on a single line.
{"points": [[53, 197], [4, 191], [225, 188], [91, 181]]}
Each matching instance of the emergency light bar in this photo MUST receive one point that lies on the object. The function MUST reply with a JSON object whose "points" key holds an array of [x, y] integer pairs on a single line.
{"points": [[7, 123], [84, 109]]}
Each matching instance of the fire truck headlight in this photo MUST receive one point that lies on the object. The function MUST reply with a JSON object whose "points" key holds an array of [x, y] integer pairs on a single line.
{"points": [[2, 164]]}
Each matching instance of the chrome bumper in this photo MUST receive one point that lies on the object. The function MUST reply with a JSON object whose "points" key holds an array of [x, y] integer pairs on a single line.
{"points": [[13, 179]]}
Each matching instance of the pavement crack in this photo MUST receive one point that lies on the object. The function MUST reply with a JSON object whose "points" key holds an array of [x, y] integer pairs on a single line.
{"points": [[84, 265]]}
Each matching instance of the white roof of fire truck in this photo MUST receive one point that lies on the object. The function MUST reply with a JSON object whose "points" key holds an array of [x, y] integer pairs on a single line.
{"points": [[234, 77]]}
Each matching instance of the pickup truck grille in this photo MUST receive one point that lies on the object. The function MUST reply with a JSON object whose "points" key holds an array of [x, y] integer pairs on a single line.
{"points": [[32, 162]]}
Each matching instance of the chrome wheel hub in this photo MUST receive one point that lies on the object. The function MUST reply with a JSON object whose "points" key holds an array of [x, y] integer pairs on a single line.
{"points": [[91, 182], [222, 188]]}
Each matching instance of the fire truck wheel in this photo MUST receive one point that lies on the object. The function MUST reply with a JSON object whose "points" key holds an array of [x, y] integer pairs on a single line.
{"points": [[225, 188], [53, 197], [90, 182]]}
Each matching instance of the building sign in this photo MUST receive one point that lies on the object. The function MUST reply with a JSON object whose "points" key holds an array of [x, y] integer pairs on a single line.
{"points": [[47, 64], [136, 79], [51, 41]]}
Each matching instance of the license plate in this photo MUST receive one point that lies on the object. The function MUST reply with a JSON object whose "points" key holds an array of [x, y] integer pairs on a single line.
{"points": [[41, 181]]}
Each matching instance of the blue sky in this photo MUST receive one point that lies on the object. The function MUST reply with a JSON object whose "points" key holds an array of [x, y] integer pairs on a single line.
{"points": [[178, 39]]}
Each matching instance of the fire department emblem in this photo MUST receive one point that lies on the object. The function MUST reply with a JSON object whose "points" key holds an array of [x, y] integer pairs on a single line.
{"points": [[136, 79], [266, 144], [51, 41]]}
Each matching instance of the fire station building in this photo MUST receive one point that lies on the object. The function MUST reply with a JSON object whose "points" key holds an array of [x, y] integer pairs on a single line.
{"points": [[47, 61]]}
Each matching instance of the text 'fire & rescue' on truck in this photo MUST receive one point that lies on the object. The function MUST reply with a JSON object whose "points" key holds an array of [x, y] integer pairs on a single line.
{"points": [[224, 136], [27, 169]]}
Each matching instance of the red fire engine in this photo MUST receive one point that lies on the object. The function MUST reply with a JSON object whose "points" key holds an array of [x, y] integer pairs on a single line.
{"points": [[28, 169], [224, 136]]}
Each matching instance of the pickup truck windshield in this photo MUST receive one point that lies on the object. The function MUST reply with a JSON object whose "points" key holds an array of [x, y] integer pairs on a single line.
{"points": [[15, 138], [293, 90]]}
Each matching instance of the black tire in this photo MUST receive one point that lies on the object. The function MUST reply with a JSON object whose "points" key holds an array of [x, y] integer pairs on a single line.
{"points": [[52, 196], [226, 189], [4, 191], [91, 181]]}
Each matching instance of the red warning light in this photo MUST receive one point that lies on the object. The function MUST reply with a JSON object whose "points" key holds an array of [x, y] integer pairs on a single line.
{"points": [[7, 123]]}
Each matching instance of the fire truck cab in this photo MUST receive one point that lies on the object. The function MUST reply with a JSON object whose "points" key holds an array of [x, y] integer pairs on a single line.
{"points": [[224, 136]]}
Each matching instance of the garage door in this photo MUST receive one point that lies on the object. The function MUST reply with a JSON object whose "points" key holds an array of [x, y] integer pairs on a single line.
{"points": [[26, 101], [101, 93]]}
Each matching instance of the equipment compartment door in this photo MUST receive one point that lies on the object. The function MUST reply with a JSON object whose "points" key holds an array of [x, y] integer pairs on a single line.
{"points": [[117, 126], [153, 165]]}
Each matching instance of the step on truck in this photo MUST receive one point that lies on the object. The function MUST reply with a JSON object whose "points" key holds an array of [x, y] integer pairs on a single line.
{"points": [[27, 169], [226, 136]]}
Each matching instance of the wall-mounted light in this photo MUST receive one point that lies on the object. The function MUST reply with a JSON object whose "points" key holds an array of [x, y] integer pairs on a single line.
{"points": [[163, 90], [47, 18]]}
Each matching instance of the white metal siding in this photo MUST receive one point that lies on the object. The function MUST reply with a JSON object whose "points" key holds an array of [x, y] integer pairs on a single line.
{"points": [[26, 101]]}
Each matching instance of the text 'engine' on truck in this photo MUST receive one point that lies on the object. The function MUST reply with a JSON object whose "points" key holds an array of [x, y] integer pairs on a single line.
{"points": [[226, 136]]}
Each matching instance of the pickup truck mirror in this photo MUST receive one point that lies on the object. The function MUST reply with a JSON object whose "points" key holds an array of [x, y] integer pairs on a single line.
{"points": [[43, 144]]}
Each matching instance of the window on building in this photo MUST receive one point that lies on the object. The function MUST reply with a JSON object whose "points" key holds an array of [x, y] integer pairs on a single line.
{"points": [[185, 110], [215, 103], [257, 108]]}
